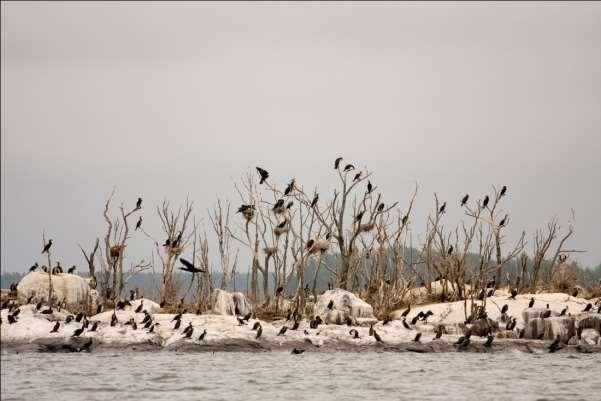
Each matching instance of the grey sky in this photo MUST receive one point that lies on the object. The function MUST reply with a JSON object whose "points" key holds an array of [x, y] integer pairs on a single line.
{"points": [[167, 99]]}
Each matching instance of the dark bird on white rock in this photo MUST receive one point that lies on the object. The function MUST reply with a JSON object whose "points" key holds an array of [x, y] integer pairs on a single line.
{"points": [[337, 163], [202, 335], [139, 308], [405, 325], [78, 332], [563, 312], [417, 337], [514, 292], [531, 303], [114, 320], [71, 269], [35, 266], [259, 332], [263, 174], [354, 333], [57, 325], [282, 331], [47, 311], [256, 325], [505, 308], [47, 246], [503, 222]]}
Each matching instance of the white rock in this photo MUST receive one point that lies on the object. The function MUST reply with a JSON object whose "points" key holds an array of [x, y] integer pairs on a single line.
{"points": [[70, 287], [346, 304], [225, 303]]}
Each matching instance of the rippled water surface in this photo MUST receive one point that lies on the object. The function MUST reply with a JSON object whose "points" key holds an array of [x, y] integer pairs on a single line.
{"points": [[311, 376]]}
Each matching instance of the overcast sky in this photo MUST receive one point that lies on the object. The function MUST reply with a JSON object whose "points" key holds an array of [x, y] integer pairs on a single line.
{"points": [[166, 99]]}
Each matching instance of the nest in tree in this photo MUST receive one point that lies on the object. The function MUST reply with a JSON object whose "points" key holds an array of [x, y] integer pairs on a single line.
{"points": [[270, 250], [116, 251], [248, 213], [175, 250], [366, 227]]}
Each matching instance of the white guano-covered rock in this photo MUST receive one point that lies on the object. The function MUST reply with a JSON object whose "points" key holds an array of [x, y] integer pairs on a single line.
{"points": [[70, 287], [226, 303], [345, 304]]}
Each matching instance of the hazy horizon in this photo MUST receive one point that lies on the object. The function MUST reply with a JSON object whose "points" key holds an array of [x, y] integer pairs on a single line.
{"points": [[165, 100]]}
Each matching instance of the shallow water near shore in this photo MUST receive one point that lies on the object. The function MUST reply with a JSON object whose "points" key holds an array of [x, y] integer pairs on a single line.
{"points": [[111, 375]]}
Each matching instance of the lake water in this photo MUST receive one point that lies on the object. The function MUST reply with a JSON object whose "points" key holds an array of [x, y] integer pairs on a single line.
{"points": [[112, 375]]}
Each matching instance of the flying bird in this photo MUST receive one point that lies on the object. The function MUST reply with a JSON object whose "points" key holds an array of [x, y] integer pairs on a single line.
{"points": [[189, 267], [263, 174]]}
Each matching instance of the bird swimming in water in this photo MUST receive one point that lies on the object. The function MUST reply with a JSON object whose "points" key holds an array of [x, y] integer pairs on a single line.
{"points": [[68, 319], [71, 269], [263, 174], [314, 201], [337, 163], [555, 345], [139, 203], [442, 208], [531, 303], [295, 325], [489, 340], [503, 191], [57, 325], [35, 266], [47, 246], [354, 333], [189, 333], [348, 167], [415, 319], [78, 317], [546, 314], [588, 307], [417, 337], [282, 330], [464, 200], [78, 332], [297, 351]]}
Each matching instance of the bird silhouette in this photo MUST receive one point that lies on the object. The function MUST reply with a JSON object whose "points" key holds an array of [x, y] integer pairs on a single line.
{"points": [[263, 174]]}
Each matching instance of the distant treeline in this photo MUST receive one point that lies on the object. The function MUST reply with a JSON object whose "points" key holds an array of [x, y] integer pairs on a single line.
{"points": [[149, 283]]}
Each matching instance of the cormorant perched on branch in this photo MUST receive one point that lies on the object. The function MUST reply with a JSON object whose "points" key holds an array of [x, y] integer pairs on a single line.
{"points": [[504, 221], [450, 251], [314, 201], [47, 246], [278, 205], [405, 219], [380, 207], [442, 208], [331, 304], [464, 199], [369, 187], [139, 223], [337, 163], [357, 176], [139, 203], [349, 167], [588, 307], [289, 188], [359, 216], [485, 202], [263, 174], [503, 191]]}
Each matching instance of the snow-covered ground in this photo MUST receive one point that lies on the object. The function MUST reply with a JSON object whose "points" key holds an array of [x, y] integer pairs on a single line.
{"points": [[224, 331]]}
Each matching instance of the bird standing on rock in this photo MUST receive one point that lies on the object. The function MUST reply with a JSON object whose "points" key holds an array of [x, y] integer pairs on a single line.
{"points": [[531, 303]]}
